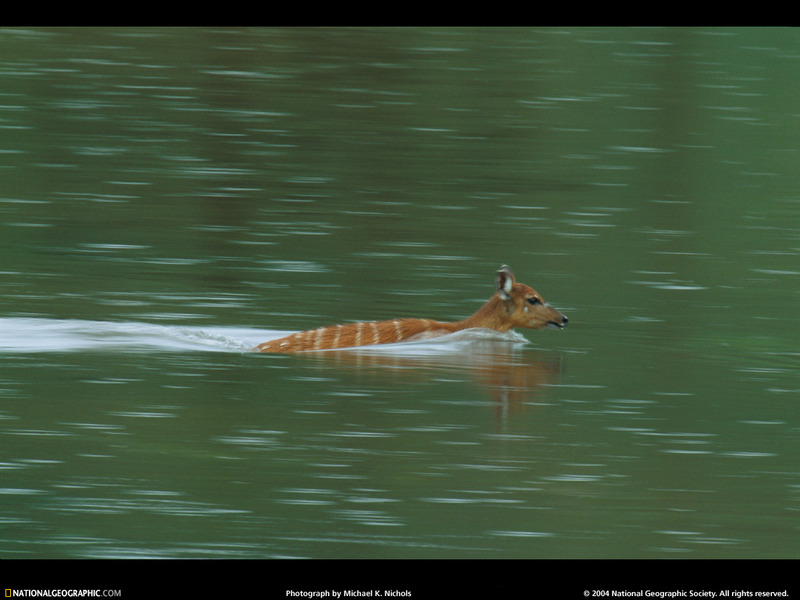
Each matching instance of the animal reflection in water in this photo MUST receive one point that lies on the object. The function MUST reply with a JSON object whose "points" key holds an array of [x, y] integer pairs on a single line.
{"points": [[513, 305], [512, 379]]}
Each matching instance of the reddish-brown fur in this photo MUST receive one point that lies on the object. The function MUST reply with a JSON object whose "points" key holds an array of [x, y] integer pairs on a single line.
{"points": [[514, 305]]}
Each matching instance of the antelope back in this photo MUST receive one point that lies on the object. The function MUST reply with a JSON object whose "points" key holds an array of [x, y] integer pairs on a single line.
{"points": [[348, 335]]}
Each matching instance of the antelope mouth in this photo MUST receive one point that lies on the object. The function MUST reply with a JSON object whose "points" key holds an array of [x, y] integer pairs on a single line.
{"points": [[557, 324]]}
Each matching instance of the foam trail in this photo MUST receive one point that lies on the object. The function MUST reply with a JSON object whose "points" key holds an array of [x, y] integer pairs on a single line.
{"points": [[71, 335]]}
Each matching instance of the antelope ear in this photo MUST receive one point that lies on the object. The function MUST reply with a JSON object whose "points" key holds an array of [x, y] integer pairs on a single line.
{"points": [[505, 282]]}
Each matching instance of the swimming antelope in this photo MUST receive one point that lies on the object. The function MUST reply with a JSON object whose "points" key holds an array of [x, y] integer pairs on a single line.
{"points": [[514, 305]]}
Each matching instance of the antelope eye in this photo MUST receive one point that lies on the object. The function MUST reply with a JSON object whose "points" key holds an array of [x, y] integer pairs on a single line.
{"points": [[534, 301]]}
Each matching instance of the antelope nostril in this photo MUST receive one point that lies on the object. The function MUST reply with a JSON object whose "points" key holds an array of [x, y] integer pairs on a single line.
{"points": [[565, 320]]}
